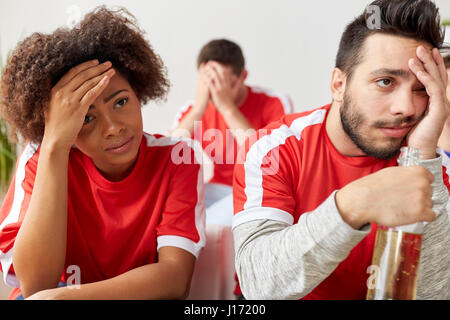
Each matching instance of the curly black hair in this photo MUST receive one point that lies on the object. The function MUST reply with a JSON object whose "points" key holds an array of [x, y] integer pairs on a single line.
{"points": [[39, 61]]}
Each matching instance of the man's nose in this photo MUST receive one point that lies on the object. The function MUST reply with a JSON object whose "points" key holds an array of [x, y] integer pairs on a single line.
{"points": [[403, 104]]}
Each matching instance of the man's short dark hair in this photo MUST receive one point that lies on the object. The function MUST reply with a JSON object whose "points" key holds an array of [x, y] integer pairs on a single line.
{"points": [[223, 51], [416, 19]]}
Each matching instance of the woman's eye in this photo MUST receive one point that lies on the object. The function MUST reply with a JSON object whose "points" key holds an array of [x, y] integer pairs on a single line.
{"points": [[384, 83], [121, 102], [88, 119]]}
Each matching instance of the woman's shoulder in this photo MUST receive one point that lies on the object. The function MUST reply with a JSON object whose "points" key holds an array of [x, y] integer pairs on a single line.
{"points": [[180, 150]]}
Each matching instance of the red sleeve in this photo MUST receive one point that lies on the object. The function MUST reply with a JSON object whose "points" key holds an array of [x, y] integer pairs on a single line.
{"points": [[181, 114], [183, 219], [262, 186], [277, 108], [14, 208]]}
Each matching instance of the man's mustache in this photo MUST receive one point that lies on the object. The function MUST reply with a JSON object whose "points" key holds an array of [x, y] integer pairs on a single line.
{"points": [[400, 121]]}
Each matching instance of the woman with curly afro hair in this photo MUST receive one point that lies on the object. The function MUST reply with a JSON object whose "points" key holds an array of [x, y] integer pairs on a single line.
{"points": [[95, 202]]}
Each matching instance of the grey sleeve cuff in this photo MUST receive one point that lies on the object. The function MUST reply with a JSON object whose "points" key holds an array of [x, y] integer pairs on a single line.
{"points": [[440, 192]]}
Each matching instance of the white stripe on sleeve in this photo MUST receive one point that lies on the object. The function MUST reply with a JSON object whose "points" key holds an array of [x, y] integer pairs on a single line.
{"points": [[13, 215], [252, 166], [178, 116], [177, 241]]}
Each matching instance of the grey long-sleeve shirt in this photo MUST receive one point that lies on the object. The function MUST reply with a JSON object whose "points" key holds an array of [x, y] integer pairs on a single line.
{"points": [[275, 260]]}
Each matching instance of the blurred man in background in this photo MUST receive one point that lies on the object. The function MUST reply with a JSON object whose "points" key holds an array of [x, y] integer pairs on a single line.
{"points": [[225, 112]]}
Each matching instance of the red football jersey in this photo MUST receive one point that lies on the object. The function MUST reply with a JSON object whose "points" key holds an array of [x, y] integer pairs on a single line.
{"points": [[291, 171], [260, 108], [114, 227]]}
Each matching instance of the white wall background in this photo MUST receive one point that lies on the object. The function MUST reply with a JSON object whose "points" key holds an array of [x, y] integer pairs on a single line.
{"points": [[289, 45]]}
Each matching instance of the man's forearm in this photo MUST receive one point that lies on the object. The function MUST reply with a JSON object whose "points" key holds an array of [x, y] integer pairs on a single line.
{"points": [[434, 269], [40, 247], [278, 261], [239, 125]]}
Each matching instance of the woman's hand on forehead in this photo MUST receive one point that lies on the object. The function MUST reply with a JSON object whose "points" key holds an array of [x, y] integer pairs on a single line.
{"points": [[70, 99]]}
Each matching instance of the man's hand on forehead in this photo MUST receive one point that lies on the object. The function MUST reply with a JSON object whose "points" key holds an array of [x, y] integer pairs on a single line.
{"points": [[429, 68], [431, 62], [223, 71]]}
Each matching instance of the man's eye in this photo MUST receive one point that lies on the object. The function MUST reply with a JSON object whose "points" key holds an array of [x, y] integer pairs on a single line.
{"points": [[421, 89], [121, 102], [384, 83], [88, 119]]}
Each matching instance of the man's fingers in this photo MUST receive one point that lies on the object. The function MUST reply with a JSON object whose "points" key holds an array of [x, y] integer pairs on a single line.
{"points": [[221, 71], [213, 78], [441, 65], [204, 78], [429, 63], [429, 215], [74, 71], [212, 72], [430, 83], [422, 172]]}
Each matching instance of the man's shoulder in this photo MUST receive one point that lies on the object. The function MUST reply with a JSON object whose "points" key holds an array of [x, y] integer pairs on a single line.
{"points": [[295, 123], [163, 142], [269, 93], [171, 146], [270, 96], [287, 131]]}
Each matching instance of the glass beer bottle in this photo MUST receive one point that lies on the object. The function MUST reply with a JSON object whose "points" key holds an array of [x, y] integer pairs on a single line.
{"points": [[396, 254]]}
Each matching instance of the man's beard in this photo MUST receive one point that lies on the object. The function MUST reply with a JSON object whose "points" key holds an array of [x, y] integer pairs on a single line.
{"points": [[353, 122]]}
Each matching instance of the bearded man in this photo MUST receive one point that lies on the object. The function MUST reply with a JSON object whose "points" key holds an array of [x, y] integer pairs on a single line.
{"points": [[306, 230]]}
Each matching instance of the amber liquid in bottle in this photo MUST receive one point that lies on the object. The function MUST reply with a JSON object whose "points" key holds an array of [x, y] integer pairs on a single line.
{"points": [[396, 254]]}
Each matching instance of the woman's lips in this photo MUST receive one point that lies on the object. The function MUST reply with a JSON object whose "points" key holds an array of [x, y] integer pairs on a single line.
{"points": [[120, 147]]}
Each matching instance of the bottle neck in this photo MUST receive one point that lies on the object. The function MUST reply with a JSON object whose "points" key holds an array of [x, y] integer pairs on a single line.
{"points": [[409, 156]]}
